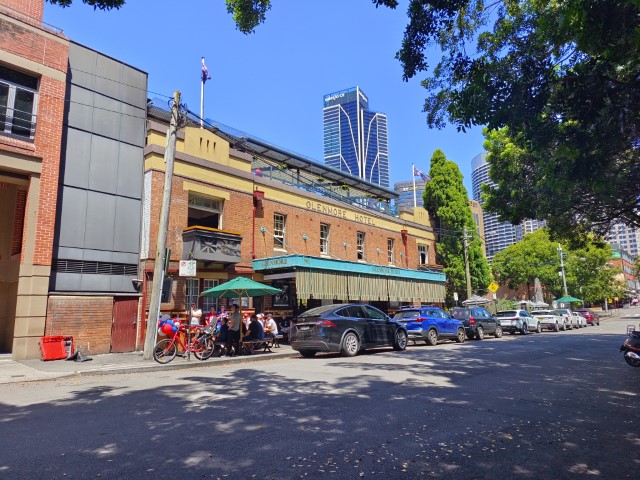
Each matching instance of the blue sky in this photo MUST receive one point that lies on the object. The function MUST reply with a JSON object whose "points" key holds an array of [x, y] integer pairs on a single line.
{"points": [[271, 83]]}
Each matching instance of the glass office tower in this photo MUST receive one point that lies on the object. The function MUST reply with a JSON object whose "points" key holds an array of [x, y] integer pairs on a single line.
{"points": [[355, 138]]}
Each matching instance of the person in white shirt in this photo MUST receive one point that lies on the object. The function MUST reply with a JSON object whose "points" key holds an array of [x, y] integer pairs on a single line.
{"points": [[270, 326], [194, 314]]}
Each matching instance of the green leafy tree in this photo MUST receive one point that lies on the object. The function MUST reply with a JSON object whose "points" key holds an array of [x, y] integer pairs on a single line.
{"points": [[535, 256], [589, 273], [563, 77], [447, 201], [96, 4]]}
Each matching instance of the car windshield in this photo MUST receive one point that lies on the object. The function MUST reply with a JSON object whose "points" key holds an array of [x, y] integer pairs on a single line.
{"points": [[543, 312], [507, 313], [407, 314]]}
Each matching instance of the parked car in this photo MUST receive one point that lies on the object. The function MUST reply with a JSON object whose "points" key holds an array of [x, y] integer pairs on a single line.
{"points": [[477, 322], [590, 316], [582, 322], [347, 329], [550, 319], [570, 320], [513, 321], [430, 324]]}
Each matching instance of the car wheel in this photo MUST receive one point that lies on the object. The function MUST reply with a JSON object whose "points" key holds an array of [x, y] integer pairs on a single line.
{"points": [[461, 336], [350, 345], [308, 353], [556, 327], [564, 327], [480, 333], [400, 340], [538, 328], [598, 323], [525, 329], [432, 337], [498, 332]]}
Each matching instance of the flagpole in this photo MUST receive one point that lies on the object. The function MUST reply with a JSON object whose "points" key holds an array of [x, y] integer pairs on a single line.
{"points": [[202, 98], [413, 171]]}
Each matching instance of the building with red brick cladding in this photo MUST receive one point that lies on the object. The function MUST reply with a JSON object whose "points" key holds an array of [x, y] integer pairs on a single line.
{"points": [[72, 132], [240, 206]]}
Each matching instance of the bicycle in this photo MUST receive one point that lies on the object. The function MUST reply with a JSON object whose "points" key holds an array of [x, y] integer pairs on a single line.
{"points": [[201, 346]]}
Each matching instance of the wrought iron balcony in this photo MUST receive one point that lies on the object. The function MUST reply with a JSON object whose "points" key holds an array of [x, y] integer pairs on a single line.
{"points": [[433, 268], [211, 245]]}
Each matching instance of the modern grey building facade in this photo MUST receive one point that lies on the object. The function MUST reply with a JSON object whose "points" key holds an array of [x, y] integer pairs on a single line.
{"points": [[355, 138], [498, 235], [97, 240], [407, 194]]}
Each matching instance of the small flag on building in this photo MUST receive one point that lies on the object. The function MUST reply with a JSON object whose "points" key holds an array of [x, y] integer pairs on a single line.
{"points": [[418, 173], [205, 72]]}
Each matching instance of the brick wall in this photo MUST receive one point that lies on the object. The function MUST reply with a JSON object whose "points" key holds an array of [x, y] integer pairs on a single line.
{"points": [[18, 222], [89, 319], [30, 8]]}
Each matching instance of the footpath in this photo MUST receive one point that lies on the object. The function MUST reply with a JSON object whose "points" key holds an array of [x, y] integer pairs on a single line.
{"points": [[18, 371]]}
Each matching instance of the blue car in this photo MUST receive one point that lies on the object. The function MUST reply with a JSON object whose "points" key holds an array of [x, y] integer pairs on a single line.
{"points": [[430, 324]]}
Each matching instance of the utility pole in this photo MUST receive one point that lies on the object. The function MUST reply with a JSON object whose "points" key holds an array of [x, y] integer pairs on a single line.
{"points": [[564, 277], [465, 242], [161, 244]]}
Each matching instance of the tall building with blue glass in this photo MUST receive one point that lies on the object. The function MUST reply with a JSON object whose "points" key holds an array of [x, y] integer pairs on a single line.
{"points": [[355, 138]]}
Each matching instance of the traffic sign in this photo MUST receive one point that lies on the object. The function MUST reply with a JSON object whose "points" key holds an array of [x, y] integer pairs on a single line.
{"points": [[187, 268], [493, 286]]}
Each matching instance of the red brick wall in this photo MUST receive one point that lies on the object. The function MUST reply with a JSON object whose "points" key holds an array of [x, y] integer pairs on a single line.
{"points": [[18, 222], [31, 8], [88, 319], [52, 52]]}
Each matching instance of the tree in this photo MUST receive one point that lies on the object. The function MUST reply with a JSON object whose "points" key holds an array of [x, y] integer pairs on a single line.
{"points": [[447, 201], [96, 4], [589, 273], [535, 256], [563, 78]]}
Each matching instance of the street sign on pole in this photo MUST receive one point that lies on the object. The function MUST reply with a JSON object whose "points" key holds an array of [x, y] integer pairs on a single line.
{"points": [[187, 268], [493, 286]]}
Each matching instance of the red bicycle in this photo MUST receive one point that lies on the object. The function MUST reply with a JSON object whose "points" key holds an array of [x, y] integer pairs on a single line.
{"points": [[201, 345]]}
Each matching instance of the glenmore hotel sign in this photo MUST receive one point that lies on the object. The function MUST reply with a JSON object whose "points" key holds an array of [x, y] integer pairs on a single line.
{"points": [[338, 212]]}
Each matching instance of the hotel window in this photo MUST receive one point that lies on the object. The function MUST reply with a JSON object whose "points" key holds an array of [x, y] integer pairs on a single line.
{"points": [[324, 239], [191, 291], [360, 245], [279, 229], [208, 302], [423, 254], [204, 211], [18, 102], [391, 247]]}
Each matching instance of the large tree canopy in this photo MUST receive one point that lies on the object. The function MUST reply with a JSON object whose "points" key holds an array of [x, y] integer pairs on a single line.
{"points": [[96, 4], [563, 78], [447, 201]]}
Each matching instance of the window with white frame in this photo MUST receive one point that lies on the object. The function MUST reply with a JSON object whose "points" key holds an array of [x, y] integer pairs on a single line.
{"points": [[279, 230], [423, 254], [391, 251], [324, 239], [192, 286], [208, 302], [18, 103], [360, 245], [204, 211]]}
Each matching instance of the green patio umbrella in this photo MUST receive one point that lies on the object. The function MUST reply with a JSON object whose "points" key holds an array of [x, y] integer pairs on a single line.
{"points": [[240, 287], [568, 299]]}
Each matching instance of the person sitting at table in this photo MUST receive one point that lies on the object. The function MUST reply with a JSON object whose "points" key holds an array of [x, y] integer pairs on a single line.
{"points": [[222, 337], [270, 326], [211, 318], [255, 330]]}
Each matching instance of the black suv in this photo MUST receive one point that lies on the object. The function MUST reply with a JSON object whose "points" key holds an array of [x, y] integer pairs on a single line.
{"points": [[477, 322]]}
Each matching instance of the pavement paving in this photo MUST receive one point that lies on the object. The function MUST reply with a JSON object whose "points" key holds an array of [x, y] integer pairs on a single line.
{"points": [[18, 371]]}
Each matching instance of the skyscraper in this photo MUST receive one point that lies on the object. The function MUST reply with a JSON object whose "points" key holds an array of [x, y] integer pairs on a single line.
{"points": [[498, 235], [355, 138], [628, 238]]}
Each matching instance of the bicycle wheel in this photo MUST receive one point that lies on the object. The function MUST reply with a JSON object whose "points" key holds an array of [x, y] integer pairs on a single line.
{"points": [[165, 351], [204, 348]]}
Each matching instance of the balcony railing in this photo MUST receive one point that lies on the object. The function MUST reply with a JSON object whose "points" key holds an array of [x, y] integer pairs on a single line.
{"points": [[211, 245], [433, 268]]}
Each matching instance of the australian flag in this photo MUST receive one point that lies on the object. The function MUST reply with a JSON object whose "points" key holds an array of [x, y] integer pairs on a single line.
{"points": [[418, 173], [205, 72]]}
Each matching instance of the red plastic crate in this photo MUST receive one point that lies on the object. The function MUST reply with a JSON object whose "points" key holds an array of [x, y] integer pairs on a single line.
{"points": [[56, 347]]}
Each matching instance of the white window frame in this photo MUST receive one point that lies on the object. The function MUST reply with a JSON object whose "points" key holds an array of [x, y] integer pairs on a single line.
{"points": [[10, 106], [191, 291], [391, 251], [208, 302], [360, 241], [198, 201], [423, 251], [325, 232], [279, 231]]}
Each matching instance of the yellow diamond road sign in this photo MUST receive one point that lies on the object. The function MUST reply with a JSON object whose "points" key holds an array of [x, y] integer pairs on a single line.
{"points": [[493, 286]]}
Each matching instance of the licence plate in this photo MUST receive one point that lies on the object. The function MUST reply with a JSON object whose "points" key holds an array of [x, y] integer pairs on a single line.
{"points": [[302, 328]]}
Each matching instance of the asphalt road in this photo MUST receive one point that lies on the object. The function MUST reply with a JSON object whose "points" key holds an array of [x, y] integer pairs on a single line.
{"points": [[542, 406]]}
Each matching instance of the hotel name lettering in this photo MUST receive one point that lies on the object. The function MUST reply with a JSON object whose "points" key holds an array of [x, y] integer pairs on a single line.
{"points": [[338, 212]]}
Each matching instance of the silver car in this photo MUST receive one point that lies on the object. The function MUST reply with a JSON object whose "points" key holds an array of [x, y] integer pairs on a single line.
{"points": [[550, 320], [568, 318], [513, 321]]}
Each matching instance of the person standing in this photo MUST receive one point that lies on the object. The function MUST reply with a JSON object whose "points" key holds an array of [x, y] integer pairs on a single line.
{"points": [[211, 318], [235, 321], [195, 314]]}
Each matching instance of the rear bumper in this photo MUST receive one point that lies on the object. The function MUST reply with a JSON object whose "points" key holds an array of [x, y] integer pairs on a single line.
{"points": [[418, 334], [315, 346]]}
